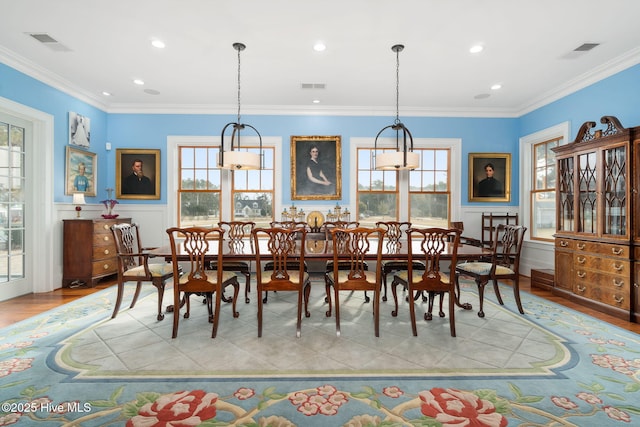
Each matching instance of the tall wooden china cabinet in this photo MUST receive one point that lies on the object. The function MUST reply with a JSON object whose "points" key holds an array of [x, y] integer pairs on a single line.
{"points": [[597, 242]]}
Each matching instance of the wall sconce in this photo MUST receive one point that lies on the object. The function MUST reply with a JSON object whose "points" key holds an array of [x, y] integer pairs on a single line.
{"points": [[78, 200], [396, 160], [236, 159]]}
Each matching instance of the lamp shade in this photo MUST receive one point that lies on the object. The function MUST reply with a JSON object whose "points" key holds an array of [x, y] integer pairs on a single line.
{"points": [[78, 199], [239, 160], [395, 160]]}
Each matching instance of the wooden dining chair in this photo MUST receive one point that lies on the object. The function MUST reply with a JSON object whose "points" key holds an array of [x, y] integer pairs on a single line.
{"points": [[286, 271], [503, 265], [237, 235], [289, 225], [196, 242], [432, 243], [395, 232], [134, 266], [350, 246]]}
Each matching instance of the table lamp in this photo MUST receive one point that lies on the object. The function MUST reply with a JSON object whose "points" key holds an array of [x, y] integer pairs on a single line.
{"points": [[78, 200]]}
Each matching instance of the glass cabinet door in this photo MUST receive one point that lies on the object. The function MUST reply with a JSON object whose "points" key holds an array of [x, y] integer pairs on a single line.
{"points": [[587, 193], [565, 195], [615, 191]]}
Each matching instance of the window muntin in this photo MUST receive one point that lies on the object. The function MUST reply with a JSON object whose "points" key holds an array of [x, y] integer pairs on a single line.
{"points": [[543, 193], [430, 189], [253, 191]]}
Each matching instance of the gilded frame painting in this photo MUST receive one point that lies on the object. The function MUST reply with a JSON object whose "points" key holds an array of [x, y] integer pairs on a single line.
{"points": [[137, 174], [316, 168], [81, 172], [489, 177]]}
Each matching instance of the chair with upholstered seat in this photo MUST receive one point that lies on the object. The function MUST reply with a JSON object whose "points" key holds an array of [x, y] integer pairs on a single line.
{"points": [[503, 265], [237, 234], [350, 271], [431, 244], [286, 270], [134, 266], [395, 233], [196, 243]]}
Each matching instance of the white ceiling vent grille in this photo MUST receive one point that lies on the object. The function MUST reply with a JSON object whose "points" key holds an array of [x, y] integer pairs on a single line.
{"points": [[50, 42], [586, 47], [313, 86]]}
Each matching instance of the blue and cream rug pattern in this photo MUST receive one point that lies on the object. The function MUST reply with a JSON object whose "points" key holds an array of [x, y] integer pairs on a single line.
{"points": [[587, 372]]}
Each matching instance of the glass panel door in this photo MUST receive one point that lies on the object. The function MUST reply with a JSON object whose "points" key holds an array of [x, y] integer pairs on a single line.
{"points": [[587, 196], [615, 191], [566, 192]]}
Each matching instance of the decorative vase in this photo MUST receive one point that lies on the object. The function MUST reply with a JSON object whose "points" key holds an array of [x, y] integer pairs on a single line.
{"points": [[109, 204]]}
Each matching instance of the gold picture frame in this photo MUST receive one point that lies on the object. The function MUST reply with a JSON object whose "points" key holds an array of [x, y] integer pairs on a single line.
{"points": [[132, 186], [81, 172], [486, 185], [319, 178]]}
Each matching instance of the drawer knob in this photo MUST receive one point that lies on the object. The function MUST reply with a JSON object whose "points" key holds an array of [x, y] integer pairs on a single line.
{"points": [[106, 238], [581, 246], [581, 274], [616, 251], [564, 243], [106, 266], [618, 283], [105, 226], [581, 288], [618, 299], [106, 251], [581, 260], [617, 267]]}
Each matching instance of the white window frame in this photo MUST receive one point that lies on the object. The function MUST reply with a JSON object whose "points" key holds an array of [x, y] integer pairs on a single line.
{"points": [[453, 144], [526, 157]]}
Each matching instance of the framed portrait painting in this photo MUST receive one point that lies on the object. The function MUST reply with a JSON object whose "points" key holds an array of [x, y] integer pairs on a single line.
{"points": [[137, 174], [81, 172], [489, 177], [316, 168], [79, 130]]}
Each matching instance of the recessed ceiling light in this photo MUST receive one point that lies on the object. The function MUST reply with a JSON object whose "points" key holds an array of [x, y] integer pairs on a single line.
{"points": [[316, 101], [158, 43], [319, 46], [138, 82], [476, 49], [496, 86], [105, 93]]}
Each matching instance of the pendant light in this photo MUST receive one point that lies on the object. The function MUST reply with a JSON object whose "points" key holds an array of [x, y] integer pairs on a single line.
{"points": [[396, 160], [234, 158]]}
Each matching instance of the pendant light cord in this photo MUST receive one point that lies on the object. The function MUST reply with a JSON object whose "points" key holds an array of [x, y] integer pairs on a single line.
{"points": [[398, 86], [239, 85]]}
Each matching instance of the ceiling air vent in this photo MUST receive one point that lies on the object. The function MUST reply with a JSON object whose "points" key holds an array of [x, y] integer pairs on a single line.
{"points": [[313, 85], [586, 47], [50, 42]]}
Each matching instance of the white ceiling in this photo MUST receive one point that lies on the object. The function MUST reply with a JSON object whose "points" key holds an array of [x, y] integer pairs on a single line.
{"points": [[528, 49]]}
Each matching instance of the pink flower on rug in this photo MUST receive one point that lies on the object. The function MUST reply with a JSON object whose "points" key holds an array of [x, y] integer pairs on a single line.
{"points": [[453, 407], [244, 393], [563, 402], [308, 409], [183, 408], [9, 419], [616, 363], [617, 414], [392, 391], [275, 421], [14, 365], [589, 398]]}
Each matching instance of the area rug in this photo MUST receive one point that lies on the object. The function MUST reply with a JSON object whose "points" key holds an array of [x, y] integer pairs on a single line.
{"points": [[598, 384]]}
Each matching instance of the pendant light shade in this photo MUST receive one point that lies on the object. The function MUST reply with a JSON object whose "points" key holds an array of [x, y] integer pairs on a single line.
{"points": [[234, 158], [403, 157]]}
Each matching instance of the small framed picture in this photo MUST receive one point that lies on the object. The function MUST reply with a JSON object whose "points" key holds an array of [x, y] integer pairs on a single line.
{"points": [[137, 174], [81, 173], [489, 177], [79, 130], [316, 168]]}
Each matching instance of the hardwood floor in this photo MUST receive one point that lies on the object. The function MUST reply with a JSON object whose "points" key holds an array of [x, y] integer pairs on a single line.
{"points": [[23, 307]]}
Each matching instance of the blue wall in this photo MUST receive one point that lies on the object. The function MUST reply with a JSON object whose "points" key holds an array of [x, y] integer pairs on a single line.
{"points": [[618, 95]]}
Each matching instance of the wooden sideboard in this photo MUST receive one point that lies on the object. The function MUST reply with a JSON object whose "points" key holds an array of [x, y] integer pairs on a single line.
{"points": [[88, 253], [597, 233]]}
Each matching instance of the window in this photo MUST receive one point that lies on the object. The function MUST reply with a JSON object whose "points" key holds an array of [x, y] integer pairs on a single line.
{"points": [[428, 191], [253, 194], [543, 193], [538, 165], [202, 186]]}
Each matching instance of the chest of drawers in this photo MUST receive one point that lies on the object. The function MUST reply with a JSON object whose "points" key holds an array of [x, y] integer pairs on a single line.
{"points": [[89, 252]]}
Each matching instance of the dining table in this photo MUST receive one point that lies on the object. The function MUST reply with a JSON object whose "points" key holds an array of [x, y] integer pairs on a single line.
{"points": [[322, 250]]}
